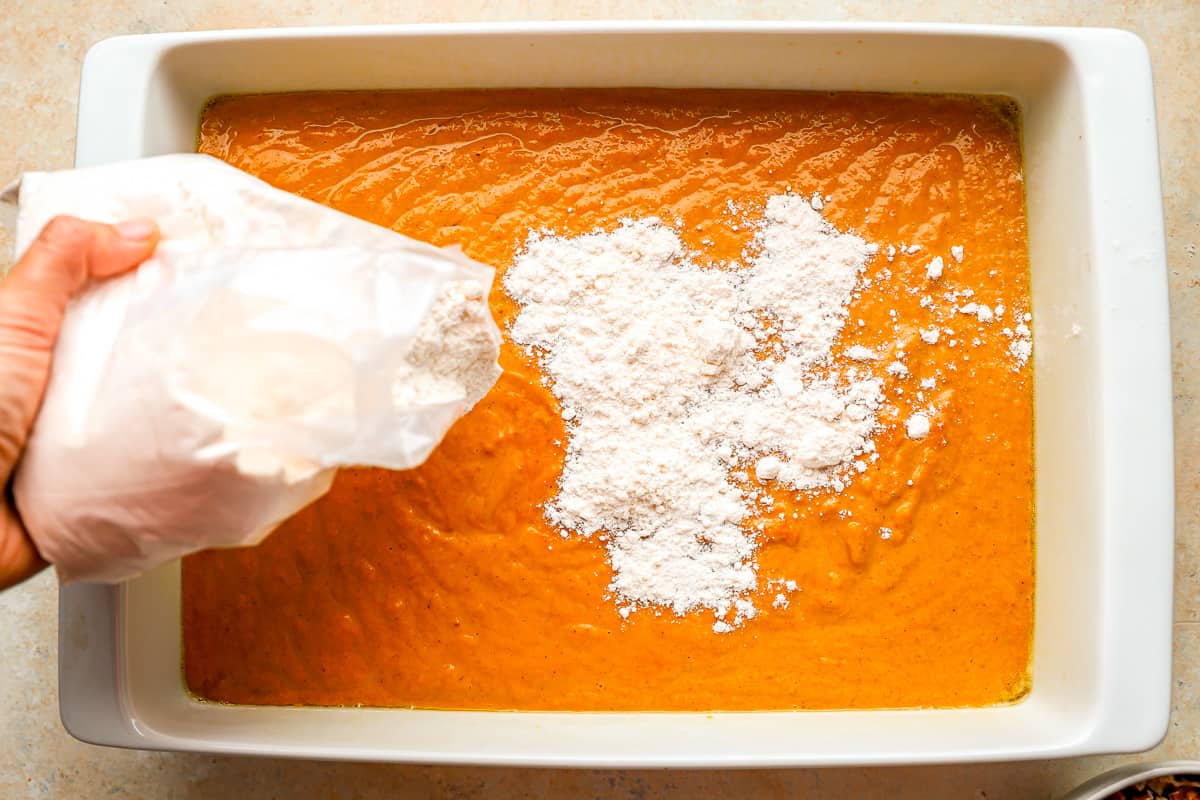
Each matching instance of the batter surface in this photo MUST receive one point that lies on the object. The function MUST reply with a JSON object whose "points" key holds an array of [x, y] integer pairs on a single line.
{"points": [[444, 587]]}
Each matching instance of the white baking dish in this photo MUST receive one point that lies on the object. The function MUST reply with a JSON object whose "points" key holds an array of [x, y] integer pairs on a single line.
{"points": [[1102, 651]]}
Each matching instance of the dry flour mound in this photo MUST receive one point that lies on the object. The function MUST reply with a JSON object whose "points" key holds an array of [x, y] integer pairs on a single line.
{"points": [[675, 379]]}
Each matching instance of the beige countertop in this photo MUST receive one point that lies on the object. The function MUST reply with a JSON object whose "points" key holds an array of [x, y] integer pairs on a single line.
{"points": [[42, 45]]}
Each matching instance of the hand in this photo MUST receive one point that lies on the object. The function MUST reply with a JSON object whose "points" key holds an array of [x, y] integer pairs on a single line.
{"points": [[67, 253]]}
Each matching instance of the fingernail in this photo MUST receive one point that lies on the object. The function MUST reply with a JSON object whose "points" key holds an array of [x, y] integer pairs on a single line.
{"points": [[137, 229]]}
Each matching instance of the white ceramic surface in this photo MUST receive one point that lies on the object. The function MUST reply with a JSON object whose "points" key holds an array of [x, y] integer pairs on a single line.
{"points": [[1101, 668], [1105, 785]]}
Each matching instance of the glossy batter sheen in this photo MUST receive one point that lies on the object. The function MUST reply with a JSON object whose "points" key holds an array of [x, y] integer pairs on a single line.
{"points": [[443, 587]]}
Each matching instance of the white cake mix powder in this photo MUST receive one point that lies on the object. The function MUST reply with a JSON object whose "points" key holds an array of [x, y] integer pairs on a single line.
{"points": [[677, 381]]}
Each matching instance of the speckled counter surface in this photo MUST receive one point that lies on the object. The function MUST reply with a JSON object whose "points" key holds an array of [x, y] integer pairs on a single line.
{"points": [[42, 45]]}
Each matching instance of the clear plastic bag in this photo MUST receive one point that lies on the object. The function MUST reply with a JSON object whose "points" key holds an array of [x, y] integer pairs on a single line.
{"points": [[202, 399]]}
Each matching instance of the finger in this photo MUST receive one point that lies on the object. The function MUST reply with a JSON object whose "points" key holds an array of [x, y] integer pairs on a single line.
{"points": [[59, 263], [33, 299], [18, 557]]}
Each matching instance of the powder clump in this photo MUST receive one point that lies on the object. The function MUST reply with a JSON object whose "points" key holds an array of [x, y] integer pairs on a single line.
{"points": [[679, 381]]}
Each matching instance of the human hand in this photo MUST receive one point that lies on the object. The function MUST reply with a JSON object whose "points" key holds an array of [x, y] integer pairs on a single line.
{"points": [[67, 253]]}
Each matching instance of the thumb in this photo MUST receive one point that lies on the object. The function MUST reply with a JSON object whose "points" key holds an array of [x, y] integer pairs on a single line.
{"points": [[58, 264], [33, 299]]}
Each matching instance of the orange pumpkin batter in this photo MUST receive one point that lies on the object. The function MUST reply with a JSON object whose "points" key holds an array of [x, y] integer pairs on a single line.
{"points": [[444, 587]]}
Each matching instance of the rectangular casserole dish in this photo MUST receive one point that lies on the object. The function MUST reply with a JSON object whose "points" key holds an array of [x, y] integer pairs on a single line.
{"points": [[1104, 465]]}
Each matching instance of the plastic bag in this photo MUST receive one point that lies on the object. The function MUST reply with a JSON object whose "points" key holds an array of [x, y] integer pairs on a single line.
{"points": [[202, 399]]}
